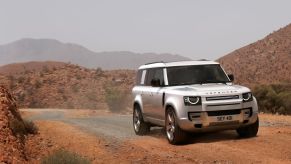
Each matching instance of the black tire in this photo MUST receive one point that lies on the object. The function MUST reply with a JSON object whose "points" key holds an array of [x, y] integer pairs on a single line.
{"points": [[140, 127], [174, 133], [249, 131]]}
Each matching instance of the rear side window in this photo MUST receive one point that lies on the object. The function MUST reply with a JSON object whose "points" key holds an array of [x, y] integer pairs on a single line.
{"points": [[155, 73]]}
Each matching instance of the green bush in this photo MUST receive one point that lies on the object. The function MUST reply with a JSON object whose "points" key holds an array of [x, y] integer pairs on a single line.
{"points": [[21, 128], [116, 99], [98, 73], [30, 127], [17, 127], [275, 98], [64, 157]]}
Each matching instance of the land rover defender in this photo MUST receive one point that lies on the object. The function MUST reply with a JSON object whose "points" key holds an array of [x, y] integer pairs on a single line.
{"points": [[191, 96]]}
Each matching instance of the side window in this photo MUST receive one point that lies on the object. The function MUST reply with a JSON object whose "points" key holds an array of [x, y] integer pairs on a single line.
{"points": [[155, 73], [149, 76], [159, 74]]}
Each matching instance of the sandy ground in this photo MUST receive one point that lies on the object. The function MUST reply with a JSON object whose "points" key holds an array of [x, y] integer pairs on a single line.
{"points": [[108, 138]]}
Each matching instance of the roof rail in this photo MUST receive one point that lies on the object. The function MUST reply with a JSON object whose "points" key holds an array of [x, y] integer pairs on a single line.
{"points": [[154, 62]]}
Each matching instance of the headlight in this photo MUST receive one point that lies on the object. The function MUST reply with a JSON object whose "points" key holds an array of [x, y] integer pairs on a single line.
{"points": [[247, 97], [192, 100]]}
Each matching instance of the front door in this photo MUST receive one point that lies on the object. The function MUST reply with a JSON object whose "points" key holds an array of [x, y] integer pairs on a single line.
{"points": [[154, 106]]}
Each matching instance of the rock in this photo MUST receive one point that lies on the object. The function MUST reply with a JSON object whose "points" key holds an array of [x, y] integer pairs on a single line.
{"points": [[11, 146]]}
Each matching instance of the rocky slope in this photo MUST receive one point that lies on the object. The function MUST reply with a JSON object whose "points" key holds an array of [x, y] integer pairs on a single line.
{"points": [[20, 68], [68, 86], [11, 145], [263, 62], [26, 50]]}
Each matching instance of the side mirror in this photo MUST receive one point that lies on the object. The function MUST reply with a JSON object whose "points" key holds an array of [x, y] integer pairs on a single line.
{"points": [[155, 83], [231, 77]]}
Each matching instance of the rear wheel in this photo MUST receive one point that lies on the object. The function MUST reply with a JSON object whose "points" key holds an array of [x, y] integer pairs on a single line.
{"points": [[175, 134], [250, 130], [140, 127]]}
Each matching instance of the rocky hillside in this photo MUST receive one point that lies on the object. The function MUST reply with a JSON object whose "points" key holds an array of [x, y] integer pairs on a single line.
{"points": [[11, 145], [263, 62], [67, 86], [21, 68], [26, 50]]}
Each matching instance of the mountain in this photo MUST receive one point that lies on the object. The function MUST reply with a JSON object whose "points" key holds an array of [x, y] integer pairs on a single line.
{"points": [[26, 50], [266, 61]]}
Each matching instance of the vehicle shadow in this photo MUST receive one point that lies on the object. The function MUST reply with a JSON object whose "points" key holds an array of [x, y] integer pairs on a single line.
{"points": [[206, 137]]}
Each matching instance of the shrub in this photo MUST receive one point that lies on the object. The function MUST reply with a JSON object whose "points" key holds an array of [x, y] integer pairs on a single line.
{"points": [[21, 97], [274, 98], [37, 84], [30, 127], [21, 79], [115, 98], [99, 72], [64, 157], [78, 76], [17, 127], [45, 69], [75, 88], [34, 103], [21, 128]]}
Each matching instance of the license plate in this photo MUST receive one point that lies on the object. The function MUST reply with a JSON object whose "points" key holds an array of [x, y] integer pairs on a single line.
{"points": [[224, 118]]}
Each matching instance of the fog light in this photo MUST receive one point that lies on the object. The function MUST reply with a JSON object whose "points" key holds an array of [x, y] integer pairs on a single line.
{"points": [[194, 116], [247, 113]]}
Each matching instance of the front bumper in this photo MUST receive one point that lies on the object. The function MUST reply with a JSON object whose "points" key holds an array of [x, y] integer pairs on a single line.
{"points": [[206, 123], [222, 115]]}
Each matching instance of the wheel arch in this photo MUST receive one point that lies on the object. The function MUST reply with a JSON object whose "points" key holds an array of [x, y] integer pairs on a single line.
{"points": [[138, 102], [170, 105]]}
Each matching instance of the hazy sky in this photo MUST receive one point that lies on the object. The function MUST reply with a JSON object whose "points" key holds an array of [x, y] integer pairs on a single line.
{"points": [[196, 29]]}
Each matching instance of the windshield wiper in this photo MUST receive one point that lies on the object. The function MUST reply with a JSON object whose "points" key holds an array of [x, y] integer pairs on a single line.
{"points": [[181, 84], [210, 81]]}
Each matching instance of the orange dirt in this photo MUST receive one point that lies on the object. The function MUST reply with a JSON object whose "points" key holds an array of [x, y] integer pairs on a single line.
{"points": [[55, 135], [272, 145]]}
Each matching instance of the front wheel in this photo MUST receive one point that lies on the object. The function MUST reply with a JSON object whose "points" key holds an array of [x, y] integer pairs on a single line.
{"points": [[250, 130], [175, 134], [140, 127]]}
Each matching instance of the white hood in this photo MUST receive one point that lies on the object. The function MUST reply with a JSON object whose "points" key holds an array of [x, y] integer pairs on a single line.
{"points": [[210, 89]]}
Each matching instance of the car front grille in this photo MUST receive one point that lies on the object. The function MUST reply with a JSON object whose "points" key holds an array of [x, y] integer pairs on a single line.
{"points": [[222, 98]]}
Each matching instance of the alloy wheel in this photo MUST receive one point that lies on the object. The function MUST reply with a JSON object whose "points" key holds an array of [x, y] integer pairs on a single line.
{"points": [[136, 120], [170, 126]]}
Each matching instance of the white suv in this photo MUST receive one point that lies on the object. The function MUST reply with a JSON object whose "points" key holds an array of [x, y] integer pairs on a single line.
{"points": [[191, 96]]}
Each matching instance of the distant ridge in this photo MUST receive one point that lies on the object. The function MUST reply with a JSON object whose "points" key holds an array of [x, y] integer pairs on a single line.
{"points": [[28, 49], [263, 62]]}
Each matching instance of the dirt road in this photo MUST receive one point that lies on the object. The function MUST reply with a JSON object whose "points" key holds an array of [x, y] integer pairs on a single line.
{"points": [[272, 145]]}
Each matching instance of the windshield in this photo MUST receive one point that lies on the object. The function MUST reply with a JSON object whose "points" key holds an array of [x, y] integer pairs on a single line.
{"points": [[196, 74]]}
